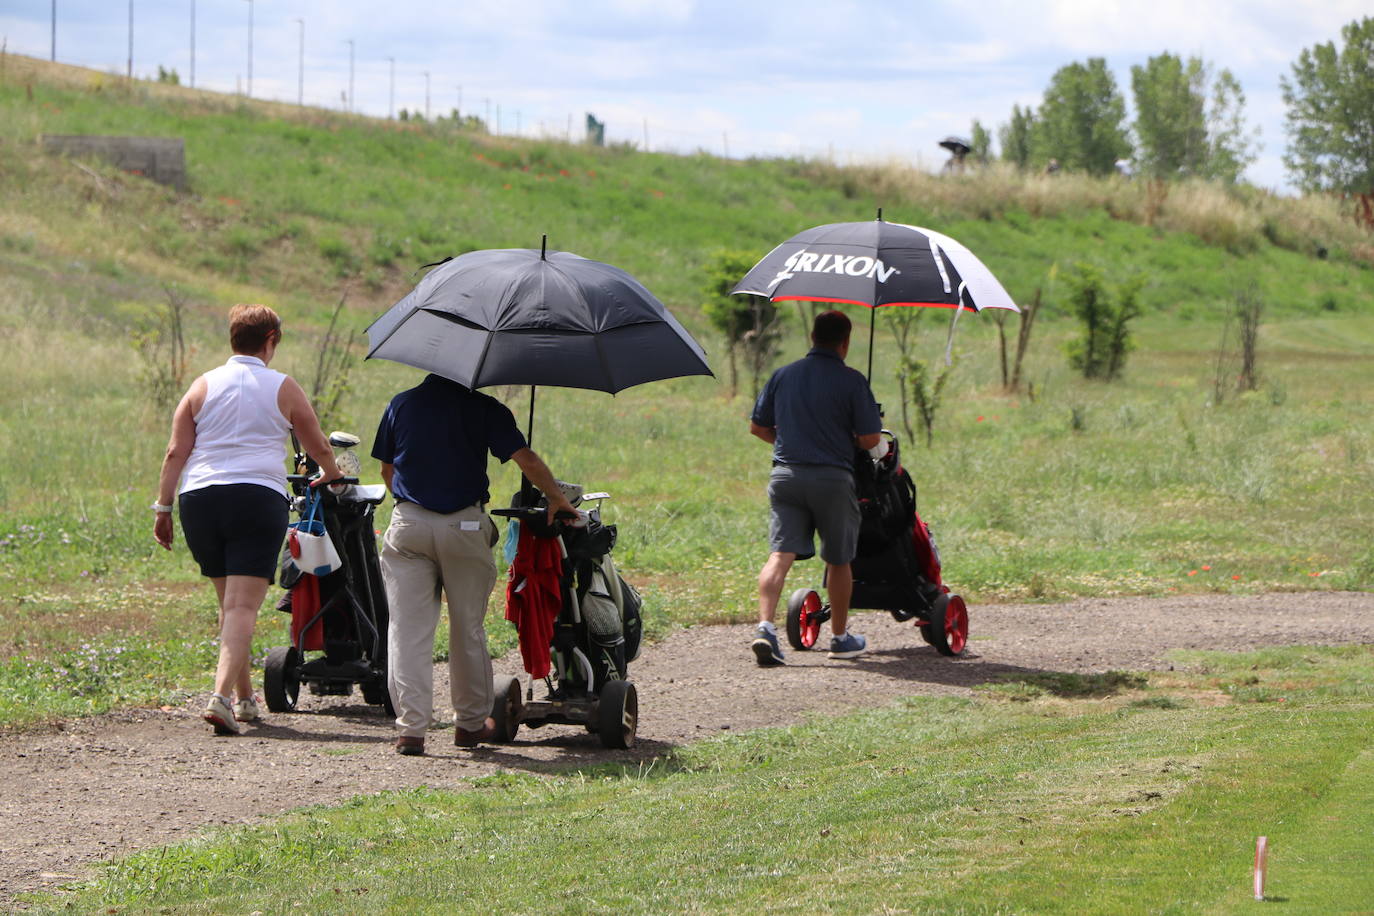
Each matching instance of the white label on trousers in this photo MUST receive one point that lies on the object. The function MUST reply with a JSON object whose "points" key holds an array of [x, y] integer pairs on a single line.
{"points": [[469, 526]]}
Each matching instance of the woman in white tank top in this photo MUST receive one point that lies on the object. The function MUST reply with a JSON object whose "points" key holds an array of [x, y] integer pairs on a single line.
{"points": [[226, 462]]}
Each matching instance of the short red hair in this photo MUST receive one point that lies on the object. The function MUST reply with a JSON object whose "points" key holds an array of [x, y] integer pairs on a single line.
{"points": [[250, 326]]}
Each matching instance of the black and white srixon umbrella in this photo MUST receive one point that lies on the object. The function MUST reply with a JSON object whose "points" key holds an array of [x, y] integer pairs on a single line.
{"points": [[876, 264], [526, 316]]}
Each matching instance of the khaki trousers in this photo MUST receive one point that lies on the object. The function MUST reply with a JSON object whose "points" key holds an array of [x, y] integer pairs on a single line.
{"points": [[424, 553]]}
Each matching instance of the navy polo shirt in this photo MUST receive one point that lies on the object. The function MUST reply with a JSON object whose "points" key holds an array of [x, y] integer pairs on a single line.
{"points": [[437, 435], [817, 405]]}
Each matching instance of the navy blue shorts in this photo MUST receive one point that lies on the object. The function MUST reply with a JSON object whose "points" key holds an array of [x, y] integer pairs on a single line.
{"points": [[234, 529]]}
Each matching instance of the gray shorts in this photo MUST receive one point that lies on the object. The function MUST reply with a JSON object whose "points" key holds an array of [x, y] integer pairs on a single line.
{"points": [[810, 498]]}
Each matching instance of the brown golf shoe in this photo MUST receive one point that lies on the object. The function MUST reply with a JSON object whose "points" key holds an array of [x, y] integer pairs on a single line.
{"points": [[462, 737], [410, 745]]}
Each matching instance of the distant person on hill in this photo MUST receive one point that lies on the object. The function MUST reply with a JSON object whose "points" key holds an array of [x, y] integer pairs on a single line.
{"points": [[226, 462], [814, 412], [433, 443]]}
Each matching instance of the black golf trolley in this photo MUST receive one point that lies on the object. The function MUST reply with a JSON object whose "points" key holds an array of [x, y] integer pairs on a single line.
{"points": [[897, 566], [595, 634], [342, 614]]}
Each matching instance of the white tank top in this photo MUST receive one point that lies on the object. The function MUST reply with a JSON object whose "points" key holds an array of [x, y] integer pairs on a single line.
{"points": [[240, 430]]}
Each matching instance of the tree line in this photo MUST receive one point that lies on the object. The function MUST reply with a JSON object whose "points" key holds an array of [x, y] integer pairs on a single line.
{"points": [[1190, 119]]}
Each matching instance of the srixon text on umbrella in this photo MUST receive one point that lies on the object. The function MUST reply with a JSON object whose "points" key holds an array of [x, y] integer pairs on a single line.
{"points": [[854, 266]]}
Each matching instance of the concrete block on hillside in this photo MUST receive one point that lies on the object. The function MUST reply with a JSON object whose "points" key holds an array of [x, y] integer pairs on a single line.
{"points": [[162, 159]]}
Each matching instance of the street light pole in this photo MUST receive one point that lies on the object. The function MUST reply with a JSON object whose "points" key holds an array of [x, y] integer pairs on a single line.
{"points": [[193, 44], [350, 73], [250, 48], [131, 39], [300, 67], [391, 93], [54, 31]]}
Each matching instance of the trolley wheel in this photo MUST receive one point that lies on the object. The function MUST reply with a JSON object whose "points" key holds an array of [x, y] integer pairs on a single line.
{"points": [[947, 630], [617, 714], [281, 679], [804, 618], [376, 694], [506, 709]]}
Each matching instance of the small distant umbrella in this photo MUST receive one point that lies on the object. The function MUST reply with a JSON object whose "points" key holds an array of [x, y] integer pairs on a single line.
{"points": [[957, 145], [877, 264]]}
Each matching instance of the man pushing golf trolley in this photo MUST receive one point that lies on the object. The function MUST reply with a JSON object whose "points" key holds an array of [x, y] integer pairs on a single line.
{"points": [[524, 316], [896, 567], [835, 470]]}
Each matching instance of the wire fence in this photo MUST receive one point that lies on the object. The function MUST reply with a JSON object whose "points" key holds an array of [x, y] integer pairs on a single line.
{"points": [[370, 88]]}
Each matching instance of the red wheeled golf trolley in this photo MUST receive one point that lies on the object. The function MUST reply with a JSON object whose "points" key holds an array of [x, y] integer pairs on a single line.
{"points": [[897, 566]]}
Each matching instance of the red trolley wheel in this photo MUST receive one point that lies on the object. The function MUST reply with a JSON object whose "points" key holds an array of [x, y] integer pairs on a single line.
{"points": [[804, 618], [947, 630]]}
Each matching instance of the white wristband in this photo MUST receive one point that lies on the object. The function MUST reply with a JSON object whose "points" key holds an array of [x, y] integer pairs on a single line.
{"points": [[159, 507]]}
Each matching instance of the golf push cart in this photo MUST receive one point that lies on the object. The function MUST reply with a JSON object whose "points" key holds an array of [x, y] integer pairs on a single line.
{"points": [[583, 652], [341, 613], [897, 566]]}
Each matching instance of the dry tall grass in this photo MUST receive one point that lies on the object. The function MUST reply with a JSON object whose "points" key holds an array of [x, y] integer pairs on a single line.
{"points": [[1239, 218]]}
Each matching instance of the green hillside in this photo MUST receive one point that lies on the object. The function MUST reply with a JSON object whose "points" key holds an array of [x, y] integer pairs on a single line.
{"points": [[1141, 486]]}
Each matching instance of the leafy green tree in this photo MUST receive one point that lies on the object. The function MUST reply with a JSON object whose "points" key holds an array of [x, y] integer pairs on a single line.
{"points": [[748, 323], [1231, 145], [1188, 122], [1017, 135], [1330, 118], [1081, 121], [1171, 118], [980, 141]]}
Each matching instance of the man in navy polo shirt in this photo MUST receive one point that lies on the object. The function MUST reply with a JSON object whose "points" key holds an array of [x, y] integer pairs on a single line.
{"points": [[814, 412], [433, 443]]}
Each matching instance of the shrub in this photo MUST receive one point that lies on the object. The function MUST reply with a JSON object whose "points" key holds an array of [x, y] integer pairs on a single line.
{"points": [[1101, 350], [750, 323]]}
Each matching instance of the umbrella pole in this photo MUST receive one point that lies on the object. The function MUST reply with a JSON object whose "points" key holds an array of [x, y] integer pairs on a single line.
{"points": [[529, 424], [872, 327], [527, 491]]}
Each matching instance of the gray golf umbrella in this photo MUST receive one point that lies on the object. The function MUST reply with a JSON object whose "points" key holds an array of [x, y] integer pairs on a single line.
{"points": [[523, 316]]}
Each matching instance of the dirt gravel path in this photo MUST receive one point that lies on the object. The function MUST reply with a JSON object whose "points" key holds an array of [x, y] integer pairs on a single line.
{"points": [[99, 788]]}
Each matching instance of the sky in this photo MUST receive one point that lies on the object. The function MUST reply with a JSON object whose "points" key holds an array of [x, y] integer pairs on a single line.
{"points": [[860, 81]]}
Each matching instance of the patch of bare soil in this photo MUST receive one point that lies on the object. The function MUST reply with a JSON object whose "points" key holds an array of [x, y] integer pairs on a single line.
{"points": [[100, 788]]}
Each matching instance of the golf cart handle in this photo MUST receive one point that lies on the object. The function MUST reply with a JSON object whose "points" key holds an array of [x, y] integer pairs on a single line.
{"points": [[305, 479], [534, 512]]}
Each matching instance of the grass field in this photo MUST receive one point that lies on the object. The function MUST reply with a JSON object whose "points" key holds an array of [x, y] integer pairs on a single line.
{"points": [[1105, 794], [1030, 797], [1143, 486]]}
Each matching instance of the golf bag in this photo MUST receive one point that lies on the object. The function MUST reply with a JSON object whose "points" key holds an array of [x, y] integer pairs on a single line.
{"points": [[897, 566], [342, 613], [598, 628]]}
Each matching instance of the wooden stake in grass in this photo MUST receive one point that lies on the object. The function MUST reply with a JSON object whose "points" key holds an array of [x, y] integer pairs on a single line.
{"points": [[1261, 865]]}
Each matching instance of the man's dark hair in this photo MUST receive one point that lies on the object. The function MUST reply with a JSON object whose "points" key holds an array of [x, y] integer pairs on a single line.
{"points": [[831, 329]]}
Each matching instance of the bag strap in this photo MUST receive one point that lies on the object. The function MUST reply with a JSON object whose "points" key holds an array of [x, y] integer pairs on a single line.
{"points": [[313, 504]]}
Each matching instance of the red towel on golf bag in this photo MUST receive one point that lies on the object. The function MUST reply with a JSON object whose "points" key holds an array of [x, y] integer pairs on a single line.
{"points": [[927, 557], [305, 604], [534, 596]]}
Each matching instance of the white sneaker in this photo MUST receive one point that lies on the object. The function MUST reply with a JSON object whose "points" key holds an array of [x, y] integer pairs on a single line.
{"points": [[246, 709], [217, 713]]}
